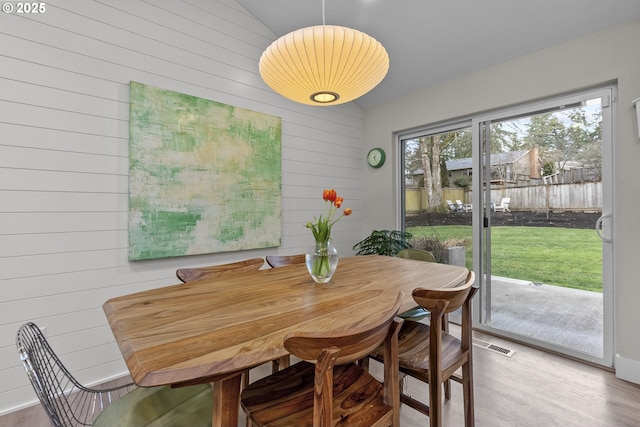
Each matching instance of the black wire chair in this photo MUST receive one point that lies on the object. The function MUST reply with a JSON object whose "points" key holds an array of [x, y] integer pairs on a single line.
{"points": [[66, 401]]}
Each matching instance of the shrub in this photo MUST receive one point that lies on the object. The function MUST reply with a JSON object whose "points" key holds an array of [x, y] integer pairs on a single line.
{"points": [[463, 182], [438, 247]]}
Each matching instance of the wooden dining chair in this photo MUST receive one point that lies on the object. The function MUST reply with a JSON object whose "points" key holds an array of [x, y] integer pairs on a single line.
{"points": [[282, 260], [276, 261], [416, 313], [432, 355], [417, 254], [327, 388], [224, 270], [216, 271]]}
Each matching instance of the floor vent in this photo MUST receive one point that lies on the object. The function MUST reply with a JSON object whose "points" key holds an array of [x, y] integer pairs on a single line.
{"points": [[495, 348]]}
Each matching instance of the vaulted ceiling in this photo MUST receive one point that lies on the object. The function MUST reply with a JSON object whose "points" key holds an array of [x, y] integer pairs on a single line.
{"points": [[431, 41]]}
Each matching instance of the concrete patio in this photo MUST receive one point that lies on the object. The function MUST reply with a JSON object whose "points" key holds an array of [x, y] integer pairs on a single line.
{"points": [[571, 318]]}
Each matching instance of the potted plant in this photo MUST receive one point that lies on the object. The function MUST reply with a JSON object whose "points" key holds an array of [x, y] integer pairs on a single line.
{"points": [[383, 242], [447, 251]]}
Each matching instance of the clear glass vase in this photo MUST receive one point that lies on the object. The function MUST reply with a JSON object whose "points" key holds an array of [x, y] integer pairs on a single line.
{"points": [[322, 261]]}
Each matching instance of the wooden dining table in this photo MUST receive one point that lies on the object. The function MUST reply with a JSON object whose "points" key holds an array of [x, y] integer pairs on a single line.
{"points": [[210, 331]]}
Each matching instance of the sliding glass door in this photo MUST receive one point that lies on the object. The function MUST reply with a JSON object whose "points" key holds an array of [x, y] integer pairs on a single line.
{"points": [[527, 193], [546, 224]]}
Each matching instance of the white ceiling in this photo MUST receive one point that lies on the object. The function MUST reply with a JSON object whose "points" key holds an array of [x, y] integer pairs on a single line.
{"points": [[430, 41]]}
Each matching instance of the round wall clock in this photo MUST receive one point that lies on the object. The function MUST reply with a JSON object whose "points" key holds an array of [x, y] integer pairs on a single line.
{"points": [[376, 157]]}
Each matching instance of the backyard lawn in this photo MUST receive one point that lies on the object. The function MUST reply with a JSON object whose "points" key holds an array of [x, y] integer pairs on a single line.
{"points": [[568, 257]]}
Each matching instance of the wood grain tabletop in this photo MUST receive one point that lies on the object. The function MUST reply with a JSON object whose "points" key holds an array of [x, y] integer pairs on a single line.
{"points": [[186, 332]]}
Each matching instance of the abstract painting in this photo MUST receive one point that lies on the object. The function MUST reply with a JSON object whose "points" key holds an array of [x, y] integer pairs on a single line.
{"points": [[204, 176]]}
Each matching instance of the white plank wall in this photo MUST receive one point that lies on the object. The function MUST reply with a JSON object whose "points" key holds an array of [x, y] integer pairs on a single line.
{"points": [[64, 108]]}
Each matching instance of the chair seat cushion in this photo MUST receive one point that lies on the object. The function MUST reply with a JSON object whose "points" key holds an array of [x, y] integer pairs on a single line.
{"points": [[286, 397], [159, 407], [415, 314]]}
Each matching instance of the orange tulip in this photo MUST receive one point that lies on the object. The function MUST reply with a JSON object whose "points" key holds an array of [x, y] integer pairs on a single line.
{"points": [[329, 195], [321, 226]]}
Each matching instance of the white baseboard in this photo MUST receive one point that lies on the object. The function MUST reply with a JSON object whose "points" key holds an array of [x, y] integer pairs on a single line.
{"points": [[627, 369], [26, 405]]}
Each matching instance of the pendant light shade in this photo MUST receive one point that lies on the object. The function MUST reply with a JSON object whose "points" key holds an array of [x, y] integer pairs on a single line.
{"points": [[324, 65]]}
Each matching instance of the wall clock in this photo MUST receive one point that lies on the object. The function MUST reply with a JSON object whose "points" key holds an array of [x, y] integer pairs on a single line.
{"points": [[376, 157]]}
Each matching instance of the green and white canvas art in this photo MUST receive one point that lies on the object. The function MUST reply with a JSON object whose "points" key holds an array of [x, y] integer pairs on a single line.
{"points": [[204, 176]]}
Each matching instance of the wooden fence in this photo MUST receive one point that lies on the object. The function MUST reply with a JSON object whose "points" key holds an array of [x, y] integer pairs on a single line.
{"points": [[584, 196], [416, 199]]}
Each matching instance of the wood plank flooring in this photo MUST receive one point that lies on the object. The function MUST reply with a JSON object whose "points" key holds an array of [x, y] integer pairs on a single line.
{"points": [[532, 388], [536, 388]]}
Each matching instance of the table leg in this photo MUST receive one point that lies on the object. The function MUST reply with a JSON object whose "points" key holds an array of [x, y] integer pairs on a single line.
{"points": [[226, 401]]}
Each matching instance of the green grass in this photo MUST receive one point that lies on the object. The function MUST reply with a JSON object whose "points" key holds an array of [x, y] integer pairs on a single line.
{"points": [[565, 257]]}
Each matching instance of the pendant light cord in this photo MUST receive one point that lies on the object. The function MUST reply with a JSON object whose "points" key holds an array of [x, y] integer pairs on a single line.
{"points": [[323, 12]]}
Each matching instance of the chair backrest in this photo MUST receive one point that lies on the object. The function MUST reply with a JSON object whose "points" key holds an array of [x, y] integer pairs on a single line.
{"points": [[216, 271], [66, 401], [282, 260], [353, 344], [417, 254], [505, 201], [446, 300], [327, 349]]}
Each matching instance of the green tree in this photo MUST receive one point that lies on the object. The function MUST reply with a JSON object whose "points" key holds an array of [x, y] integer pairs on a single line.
{"points": [[436, 150], [460, 148], [569, 135], [412, 159], [504, 137]]}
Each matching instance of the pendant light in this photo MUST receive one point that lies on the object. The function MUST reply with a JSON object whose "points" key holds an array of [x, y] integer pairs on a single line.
{"points": [[324, 64]]}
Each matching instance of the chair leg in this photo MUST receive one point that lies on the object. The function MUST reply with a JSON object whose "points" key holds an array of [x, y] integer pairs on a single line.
{"points": [[435, 404], [467, 391], [364, 363], [250, 423], [245, 380], [447, 390], [280, 363], [447, 383]]}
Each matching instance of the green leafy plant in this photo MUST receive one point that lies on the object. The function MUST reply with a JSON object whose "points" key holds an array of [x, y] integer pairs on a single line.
{"points": [[383, 242], [463, 182]]}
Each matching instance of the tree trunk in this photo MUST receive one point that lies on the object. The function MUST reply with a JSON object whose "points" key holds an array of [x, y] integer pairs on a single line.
{"points": [[435, 171], [430, 148]]}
